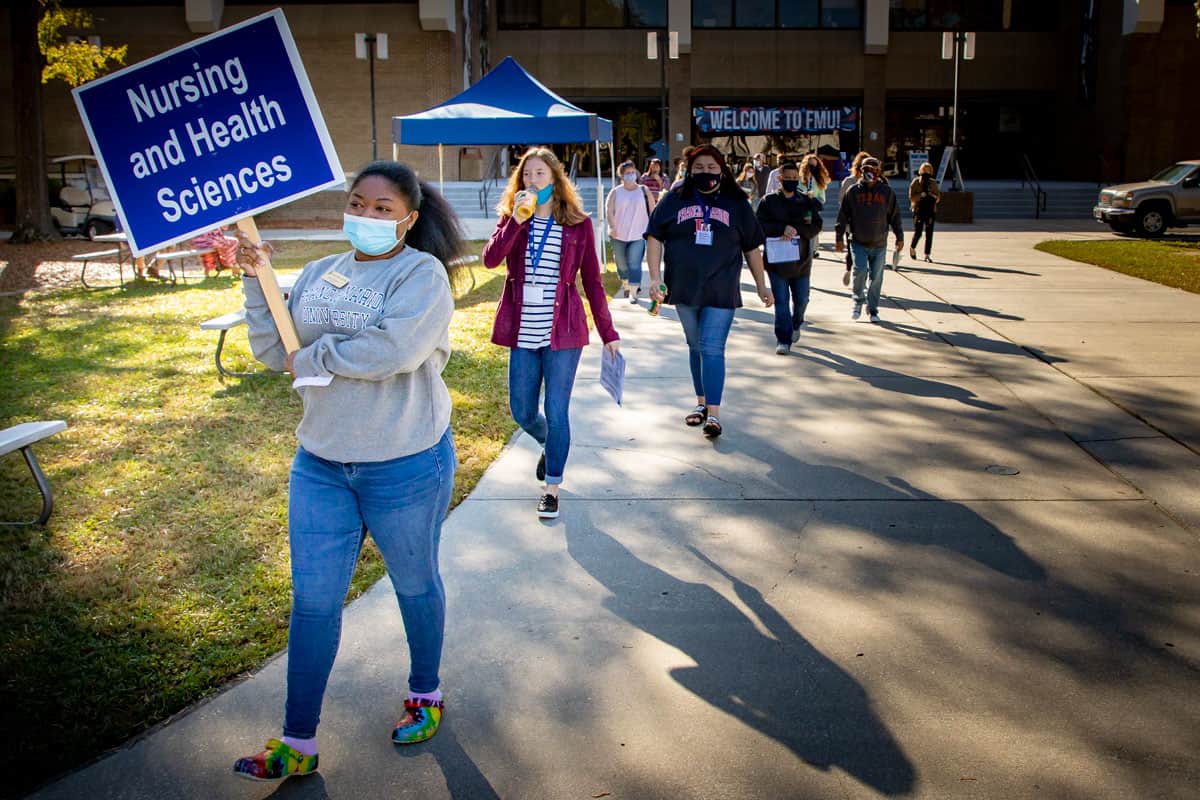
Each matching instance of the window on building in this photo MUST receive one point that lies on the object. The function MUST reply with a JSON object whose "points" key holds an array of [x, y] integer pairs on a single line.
{"points": [[604, 13], [754, 14], [776, 13], [647, 13], [712, 13], [582, 13], [800, 14], [973, 15], [840, 14]]}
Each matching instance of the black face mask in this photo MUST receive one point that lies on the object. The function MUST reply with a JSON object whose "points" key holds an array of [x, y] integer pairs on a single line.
{"points": [[790, 186], [706, 181]]}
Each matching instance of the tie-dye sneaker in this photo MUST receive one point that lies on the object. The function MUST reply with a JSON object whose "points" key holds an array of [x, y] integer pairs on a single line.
{"points": [[275, 763], [420, 721]]}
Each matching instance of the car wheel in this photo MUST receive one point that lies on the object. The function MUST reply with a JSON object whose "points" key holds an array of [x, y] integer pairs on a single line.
{"points": [[1151, 221]]}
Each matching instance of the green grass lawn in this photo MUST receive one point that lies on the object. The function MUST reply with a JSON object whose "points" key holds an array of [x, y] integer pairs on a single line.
{"points": [[1171, 263], [164, 571]]}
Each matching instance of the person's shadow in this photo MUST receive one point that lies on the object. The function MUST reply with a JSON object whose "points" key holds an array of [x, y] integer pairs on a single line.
{"points": [[779, 685], [892, 381]]}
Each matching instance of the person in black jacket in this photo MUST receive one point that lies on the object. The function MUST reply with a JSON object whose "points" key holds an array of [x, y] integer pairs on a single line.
{"points": [[868, 210], [795, 217]]}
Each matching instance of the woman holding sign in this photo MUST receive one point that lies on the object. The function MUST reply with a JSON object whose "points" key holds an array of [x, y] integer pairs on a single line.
{"points": [[545, 239], [375, 447], [703, 229]]}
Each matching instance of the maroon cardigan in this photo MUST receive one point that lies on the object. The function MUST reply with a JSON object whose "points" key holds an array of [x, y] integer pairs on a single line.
{"points": [[569, 329]]}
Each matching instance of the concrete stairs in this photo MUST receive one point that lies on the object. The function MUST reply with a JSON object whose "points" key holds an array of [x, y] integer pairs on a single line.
{"points": [[994, 200]]}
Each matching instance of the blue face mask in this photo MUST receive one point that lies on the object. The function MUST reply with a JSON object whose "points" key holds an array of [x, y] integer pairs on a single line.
{"points": [[544, 195], [372, 236]]}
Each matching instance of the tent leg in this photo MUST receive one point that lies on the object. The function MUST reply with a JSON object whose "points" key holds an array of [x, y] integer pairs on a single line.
{"points": [[441, 175], [600, 207], [395, 152]]}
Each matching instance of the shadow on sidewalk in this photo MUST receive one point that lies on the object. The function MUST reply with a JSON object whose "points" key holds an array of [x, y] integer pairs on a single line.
{"points": [[892, 381], [308, 787], [464, 780], [951, 308], [779, 685], [953, 274]]}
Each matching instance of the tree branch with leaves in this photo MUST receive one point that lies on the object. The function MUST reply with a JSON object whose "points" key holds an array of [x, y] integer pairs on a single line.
{"points": [[49, 42]]}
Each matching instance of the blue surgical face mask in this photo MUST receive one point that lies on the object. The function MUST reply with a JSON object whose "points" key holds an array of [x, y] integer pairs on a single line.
{"points": [[544, 195], [372, 236], [630, 177]]}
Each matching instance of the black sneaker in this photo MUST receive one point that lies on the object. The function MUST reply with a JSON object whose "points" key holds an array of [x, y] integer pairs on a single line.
{"points": [[541, 467], [548, 507]]}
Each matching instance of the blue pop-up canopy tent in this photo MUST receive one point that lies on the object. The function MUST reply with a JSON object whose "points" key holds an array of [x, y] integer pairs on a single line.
{"points": [[506, 106]]}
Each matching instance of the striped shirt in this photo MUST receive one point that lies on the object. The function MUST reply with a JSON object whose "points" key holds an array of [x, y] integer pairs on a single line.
{"points": [[541, 284]]}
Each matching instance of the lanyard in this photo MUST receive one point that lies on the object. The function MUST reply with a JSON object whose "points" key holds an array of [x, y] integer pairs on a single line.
{"points": [[705, 209], [535, 257]]}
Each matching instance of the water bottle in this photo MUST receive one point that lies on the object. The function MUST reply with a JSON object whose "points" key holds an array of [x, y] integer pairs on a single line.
{"points": [[525, 210], [656, 306]]}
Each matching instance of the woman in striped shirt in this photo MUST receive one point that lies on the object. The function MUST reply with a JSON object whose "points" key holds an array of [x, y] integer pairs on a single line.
{"points": [[541, 315]]}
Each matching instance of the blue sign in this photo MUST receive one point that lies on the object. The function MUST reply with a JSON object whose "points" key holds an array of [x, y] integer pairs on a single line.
{"points": [[774, 119], [221, 128]]}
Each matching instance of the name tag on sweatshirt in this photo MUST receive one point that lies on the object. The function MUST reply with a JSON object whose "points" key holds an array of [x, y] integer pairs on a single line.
{"points": [[335, 279]]}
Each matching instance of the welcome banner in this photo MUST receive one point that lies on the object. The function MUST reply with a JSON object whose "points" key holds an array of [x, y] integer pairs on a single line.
{"points": [[775, 119]]}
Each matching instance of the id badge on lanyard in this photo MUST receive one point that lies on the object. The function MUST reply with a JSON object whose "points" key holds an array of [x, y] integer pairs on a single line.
{"points": [[704, 234], [539, 292]]}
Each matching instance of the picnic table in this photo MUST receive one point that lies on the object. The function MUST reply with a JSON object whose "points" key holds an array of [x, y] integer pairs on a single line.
{"points": [[23, 437], [233, 319], [141, 264]]}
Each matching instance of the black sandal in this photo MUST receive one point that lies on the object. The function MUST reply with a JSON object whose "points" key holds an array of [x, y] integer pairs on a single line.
{"points": [[712, 427], [697, 416]]}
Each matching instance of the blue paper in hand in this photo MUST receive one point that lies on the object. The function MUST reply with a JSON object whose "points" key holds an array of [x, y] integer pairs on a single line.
{"points": [[612, 374]]}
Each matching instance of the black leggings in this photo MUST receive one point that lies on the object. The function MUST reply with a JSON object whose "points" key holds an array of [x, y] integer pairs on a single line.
{"points": [[927, 225]]}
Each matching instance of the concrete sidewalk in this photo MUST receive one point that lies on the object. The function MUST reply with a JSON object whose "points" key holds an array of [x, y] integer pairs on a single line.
{"points": [[848, 595]]}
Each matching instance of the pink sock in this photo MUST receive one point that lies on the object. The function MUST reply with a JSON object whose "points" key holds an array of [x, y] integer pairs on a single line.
{"points": [[433, 697], [307, 747]]}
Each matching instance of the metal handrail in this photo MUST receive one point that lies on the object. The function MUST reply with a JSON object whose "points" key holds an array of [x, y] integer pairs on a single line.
{"points": [[491, 178], [1028, 175]]}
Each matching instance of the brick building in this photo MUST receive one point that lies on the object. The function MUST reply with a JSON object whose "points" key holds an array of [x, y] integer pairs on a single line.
{"points": [[1087, 90]]}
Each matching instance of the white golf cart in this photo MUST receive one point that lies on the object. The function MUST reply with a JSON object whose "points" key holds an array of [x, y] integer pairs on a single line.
{"points": [[83, 205]]}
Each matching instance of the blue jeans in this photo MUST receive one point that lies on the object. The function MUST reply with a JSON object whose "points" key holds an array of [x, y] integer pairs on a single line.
{"points": [[331, 506], [528, 370], [628, 257], [868, 262], [706, 329], [789, 316]]}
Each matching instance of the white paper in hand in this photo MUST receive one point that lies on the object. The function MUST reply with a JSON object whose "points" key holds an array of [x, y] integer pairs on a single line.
{"points": [[781, 251], [612, 374]]}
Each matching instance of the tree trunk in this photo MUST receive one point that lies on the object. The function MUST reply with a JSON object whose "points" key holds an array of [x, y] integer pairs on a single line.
{"points": [[34, 221]]}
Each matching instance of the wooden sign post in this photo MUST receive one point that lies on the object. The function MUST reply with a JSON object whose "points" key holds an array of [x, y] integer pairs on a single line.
{"points": [[270, 287]]}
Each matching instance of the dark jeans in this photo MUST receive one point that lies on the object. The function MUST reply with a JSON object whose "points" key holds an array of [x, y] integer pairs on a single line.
{"points": [[331, 506], [789, 316], [920, 224], [528, 370], [706, 329]]}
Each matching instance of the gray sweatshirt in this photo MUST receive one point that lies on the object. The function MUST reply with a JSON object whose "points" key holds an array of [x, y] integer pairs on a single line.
{"points": [[369, 368]]}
